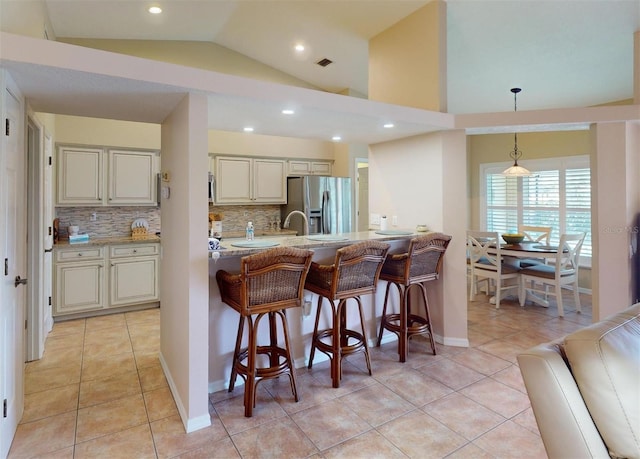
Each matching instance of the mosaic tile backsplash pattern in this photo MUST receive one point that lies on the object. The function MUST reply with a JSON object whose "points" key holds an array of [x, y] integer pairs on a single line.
{"points": [[116, 221], [110, 221], [236, 217]]}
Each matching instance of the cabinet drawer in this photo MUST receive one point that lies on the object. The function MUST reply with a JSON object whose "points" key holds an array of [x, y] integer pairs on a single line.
{"points": [[134, 250], [86, 253]]}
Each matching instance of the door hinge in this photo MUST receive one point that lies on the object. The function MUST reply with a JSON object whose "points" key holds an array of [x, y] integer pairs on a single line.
{"points": [[49, 301], [50, 161], [4, 408], [50, 231], [25, 324], [6, 126], [6, 266]]}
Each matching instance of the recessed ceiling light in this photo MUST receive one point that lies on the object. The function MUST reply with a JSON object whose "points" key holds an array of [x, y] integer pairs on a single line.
{"points": [[388, 125], [287, 111], [248, 129], [299, 47], [155, 10], [336, 138]]}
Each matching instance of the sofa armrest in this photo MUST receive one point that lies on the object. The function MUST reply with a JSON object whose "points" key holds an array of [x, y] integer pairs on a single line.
{"points": [[565, 425]]}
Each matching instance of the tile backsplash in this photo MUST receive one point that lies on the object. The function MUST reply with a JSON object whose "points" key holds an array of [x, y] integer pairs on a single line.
{"points": [[109, 222], [236, 217]]}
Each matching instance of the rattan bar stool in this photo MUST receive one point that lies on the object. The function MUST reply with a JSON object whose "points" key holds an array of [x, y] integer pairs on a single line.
{"points": [[268, 283], [421, 263], [354, 272]]}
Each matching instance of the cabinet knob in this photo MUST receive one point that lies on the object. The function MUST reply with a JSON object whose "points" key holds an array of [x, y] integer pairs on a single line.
{"points": [[79, 254], [135, 251]]}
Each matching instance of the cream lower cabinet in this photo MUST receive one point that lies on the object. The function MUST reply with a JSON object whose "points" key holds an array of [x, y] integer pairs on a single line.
{"points": [[80, 280], [133, 274], [101, 277], [242, 180]]}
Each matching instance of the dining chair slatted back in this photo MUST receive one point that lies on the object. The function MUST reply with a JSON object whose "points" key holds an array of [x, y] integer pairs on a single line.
{"points": [[486, 261], [536, 233], [562, 273]]}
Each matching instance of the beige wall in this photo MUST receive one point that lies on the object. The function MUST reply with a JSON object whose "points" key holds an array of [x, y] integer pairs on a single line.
{"points": [[495, 148], [237, 143], [184, 282], [413, 179], [407, 62]]}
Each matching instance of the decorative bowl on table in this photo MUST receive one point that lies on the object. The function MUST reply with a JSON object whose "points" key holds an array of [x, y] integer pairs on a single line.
{"points": [[513, 238]]}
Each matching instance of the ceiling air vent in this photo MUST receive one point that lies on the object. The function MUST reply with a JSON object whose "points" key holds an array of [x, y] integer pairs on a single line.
{"points": [[324, 62]]}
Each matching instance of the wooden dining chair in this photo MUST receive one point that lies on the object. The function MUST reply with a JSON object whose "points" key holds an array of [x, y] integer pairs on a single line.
{"points": [[563, 272], [485, 261], [541, 234]]}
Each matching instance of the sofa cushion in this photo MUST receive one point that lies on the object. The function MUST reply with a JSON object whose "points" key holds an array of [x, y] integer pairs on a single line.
{"points": [[605, 362]]}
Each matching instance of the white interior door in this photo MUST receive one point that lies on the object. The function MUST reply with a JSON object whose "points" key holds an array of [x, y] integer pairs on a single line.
{"points": [[12, 264]]}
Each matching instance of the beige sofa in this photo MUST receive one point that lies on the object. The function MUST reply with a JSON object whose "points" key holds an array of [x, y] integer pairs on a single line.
{"points": [[585, 389]]}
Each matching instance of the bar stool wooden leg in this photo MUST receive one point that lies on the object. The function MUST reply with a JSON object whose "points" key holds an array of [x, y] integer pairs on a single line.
{"points": [[250, 380], [236, 355], [315, 333], [405, 310], [287, 346], [364, 336], [383, 319], [425, 299], [337, 340]]}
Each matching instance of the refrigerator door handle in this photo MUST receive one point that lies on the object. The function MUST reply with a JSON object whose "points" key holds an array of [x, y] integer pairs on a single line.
{"points": [[326, 223]]}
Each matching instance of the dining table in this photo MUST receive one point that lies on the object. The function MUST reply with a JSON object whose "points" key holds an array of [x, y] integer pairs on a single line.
{"points": [[514, 253]]}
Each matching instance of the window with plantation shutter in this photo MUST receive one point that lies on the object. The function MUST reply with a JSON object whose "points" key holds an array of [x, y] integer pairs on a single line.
{"points": [[558, 194]]}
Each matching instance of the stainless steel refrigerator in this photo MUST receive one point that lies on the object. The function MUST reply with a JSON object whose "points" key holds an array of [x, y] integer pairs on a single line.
{"points": [[326, 201]]}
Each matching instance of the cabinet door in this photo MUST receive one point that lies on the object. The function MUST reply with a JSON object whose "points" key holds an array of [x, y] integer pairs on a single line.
{"points": [[132, 178], [269, 181], [79, 176], [79, 287], [299, 167], [233, 180], [134, 280], [321, 168]]}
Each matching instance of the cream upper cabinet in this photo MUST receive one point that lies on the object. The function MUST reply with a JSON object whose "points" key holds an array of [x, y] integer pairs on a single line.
{"points": [[132, 178], [242, 180], [99, 177], [310, 167], [80, 173]]}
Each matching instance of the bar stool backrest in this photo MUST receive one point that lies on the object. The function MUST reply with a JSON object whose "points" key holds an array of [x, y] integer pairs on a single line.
{"points": [[426, 254], [270, 280], [357, 269]]}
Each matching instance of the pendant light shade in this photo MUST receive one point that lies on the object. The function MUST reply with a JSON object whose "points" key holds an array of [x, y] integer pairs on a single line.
{"points": [[516, 170]]}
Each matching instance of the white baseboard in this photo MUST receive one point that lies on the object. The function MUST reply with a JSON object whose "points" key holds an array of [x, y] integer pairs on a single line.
{"points": [[190, 425]]}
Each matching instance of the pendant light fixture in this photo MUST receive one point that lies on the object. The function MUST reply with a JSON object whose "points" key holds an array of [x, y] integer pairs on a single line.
{"points": [[516, 170]]}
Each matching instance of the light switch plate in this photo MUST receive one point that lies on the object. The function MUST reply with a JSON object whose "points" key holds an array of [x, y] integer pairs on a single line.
{"points": [[394, 220], [374, 219]]}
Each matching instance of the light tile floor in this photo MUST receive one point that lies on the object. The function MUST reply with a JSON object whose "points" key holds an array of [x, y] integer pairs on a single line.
{"points": [[99, 391]]}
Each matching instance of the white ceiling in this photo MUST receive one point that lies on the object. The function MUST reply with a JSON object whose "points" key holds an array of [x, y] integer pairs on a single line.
{"points": [[563, 53]]}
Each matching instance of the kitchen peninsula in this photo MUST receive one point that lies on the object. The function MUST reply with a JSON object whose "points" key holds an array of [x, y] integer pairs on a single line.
{"points": [[223, 320]]}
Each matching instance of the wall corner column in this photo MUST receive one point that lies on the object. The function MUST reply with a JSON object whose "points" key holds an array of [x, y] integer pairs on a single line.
{"points": [[184, 275]]}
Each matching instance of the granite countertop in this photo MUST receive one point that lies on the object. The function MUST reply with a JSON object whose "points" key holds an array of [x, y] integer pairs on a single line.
{"points": [[258, 233], [65, 244], [307, 242]]}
